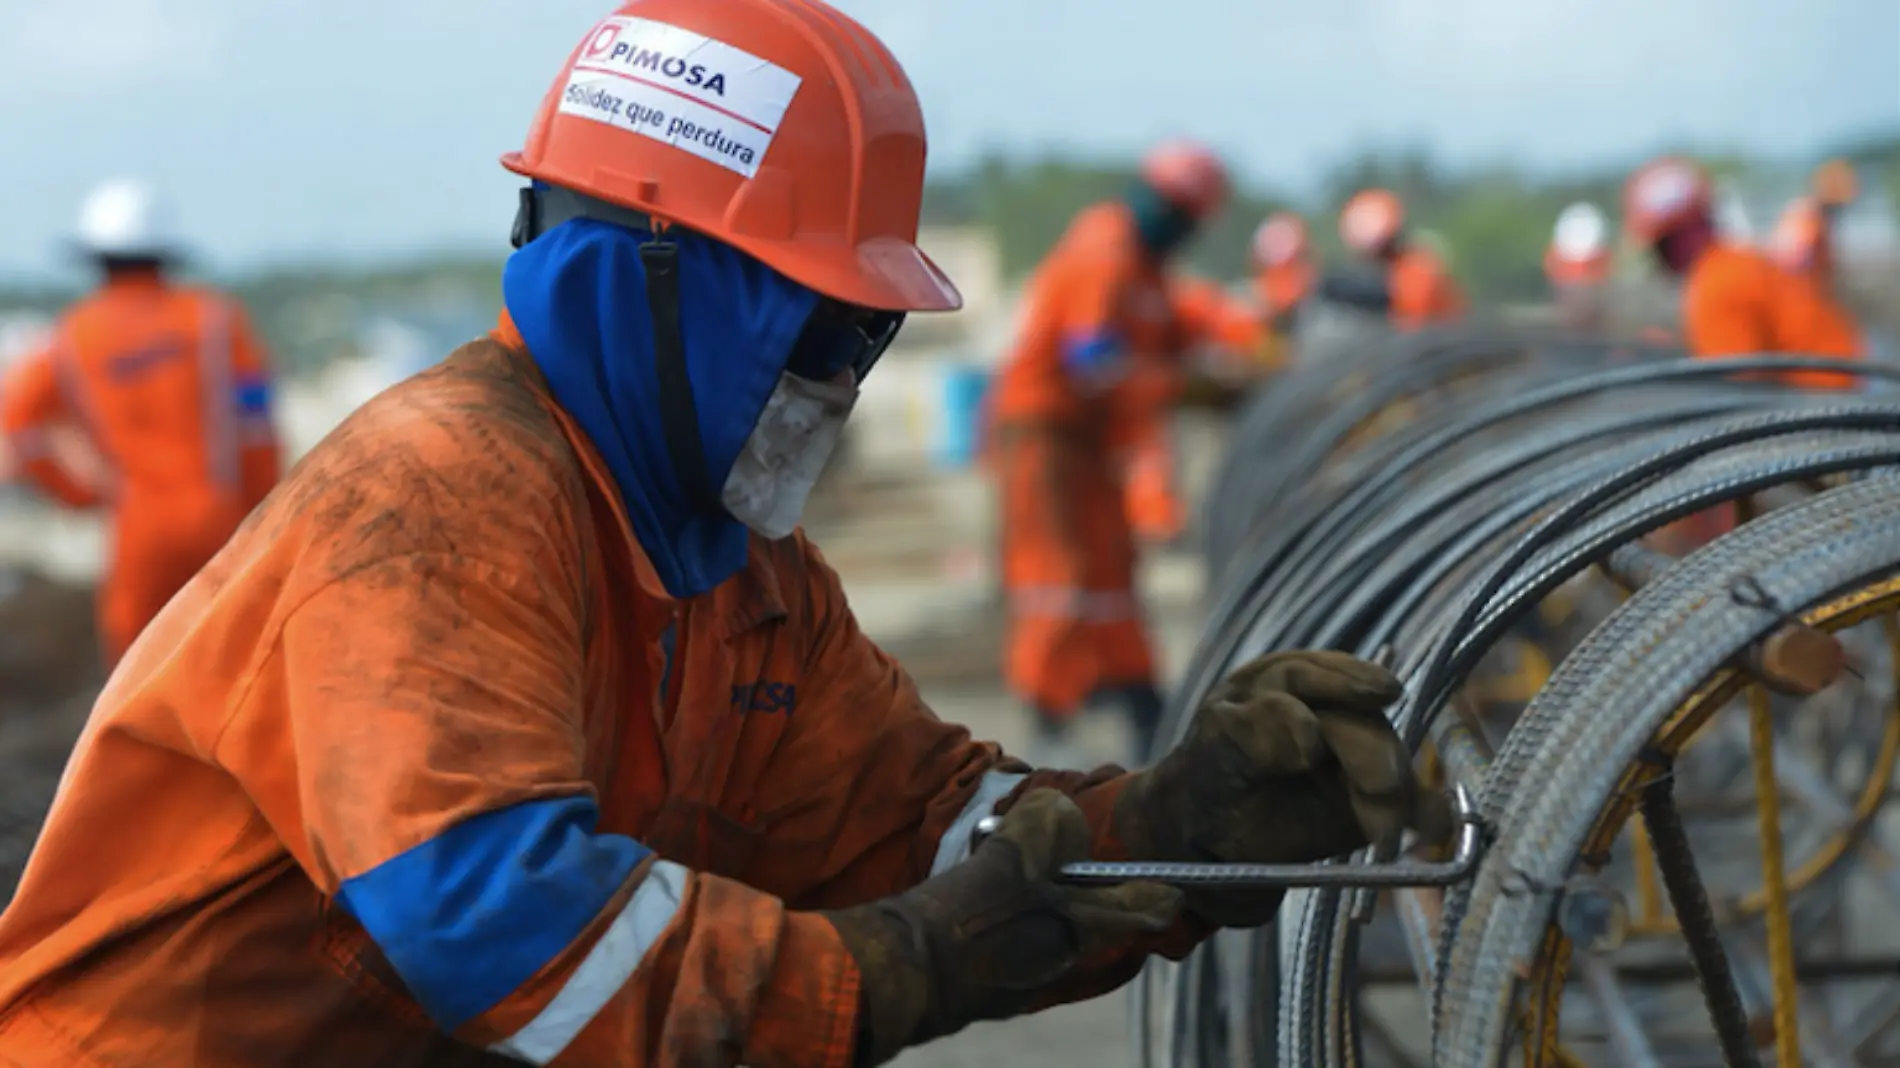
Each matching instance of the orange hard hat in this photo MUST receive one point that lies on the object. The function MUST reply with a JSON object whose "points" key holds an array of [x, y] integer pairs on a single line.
{"points": [[1370, 220], [1665, 194], [1835, 184], [780, 127], [1799, 236], [1188, 175], [1281, 240]]}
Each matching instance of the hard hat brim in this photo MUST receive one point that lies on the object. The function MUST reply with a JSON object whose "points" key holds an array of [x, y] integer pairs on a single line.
{"points": [[884, 273]]}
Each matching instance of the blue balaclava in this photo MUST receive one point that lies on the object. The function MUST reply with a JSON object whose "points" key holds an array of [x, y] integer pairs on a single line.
{"points": [[1163, 225], [577, 294]]}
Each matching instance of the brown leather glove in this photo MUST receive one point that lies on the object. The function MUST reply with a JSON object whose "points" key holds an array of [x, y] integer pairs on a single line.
{"points": [[1290, 759], [982, 940]]}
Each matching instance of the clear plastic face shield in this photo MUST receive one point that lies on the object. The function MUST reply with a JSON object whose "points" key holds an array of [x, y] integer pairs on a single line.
{"points": [[804, 417]]}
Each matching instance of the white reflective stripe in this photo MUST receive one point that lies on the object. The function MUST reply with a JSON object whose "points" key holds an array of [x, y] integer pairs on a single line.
{"points": [[607, 968], [1067, 602], [954, 847], [72, 386], [220, 402]]}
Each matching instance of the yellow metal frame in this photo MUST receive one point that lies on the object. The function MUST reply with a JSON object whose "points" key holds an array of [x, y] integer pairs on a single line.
{"points": [[1542, 992]]}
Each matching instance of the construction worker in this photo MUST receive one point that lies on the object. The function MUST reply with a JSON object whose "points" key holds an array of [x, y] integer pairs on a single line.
{"points": [[1735, 300], [1284, 268], [1233, 335], [1079, 408], [1413, 287], [173, 392], [1802, 246], [521, 724], [1802, 241], [1577, 264]]}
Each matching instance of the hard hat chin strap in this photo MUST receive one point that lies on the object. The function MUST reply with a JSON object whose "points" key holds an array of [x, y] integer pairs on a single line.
{"points": [[679, 418], [546, 207]]}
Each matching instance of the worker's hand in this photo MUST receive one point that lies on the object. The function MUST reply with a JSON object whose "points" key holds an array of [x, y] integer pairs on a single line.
{"points": [[1290, 759], [983, 939]]}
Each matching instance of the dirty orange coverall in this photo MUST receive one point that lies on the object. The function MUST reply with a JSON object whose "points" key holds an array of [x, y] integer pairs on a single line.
{"points": [[1736, 302], [439, 627], [1209, 317], [1423, 292], [171, 388], [1282, 287], [1083, 393]]}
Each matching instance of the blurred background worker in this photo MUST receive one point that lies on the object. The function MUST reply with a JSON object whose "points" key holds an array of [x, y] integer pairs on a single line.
{"points": [[524, 725], [172, 389], [1285, 268], [1224, 344], [1577, 264], [1835, 187], [1736, 300], [1413, 287], [1081, 396], [1804, 237], [1801, 244]]}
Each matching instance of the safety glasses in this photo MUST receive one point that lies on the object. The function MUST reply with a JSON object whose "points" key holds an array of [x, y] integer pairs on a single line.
{"points": [[841, 337]]}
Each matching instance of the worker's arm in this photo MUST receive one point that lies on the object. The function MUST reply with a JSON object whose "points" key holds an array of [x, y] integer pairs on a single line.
{"points": [[260, 455], [1211, 317], [877, 794], [32, 408], [415, 739]]}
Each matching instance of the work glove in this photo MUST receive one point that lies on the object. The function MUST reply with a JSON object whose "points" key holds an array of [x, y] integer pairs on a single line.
{"points": [[1290, 759], [982, 940]]}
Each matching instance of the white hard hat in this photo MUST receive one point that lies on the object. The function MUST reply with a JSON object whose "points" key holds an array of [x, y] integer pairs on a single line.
{"points": [[126, 217], [1582, 232]]}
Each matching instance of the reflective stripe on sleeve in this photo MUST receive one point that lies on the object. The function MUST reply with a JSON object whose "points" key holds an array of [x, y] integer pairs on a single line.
{"points": [[954, 847], [605, 970]]}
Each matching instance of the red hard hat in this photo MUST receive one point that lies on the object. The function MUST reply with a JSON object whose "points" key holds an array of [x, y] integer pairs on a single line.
{"points": [[780, 127], [1370, 220], [1281, 240], [1188, 175], [1666, 194]]}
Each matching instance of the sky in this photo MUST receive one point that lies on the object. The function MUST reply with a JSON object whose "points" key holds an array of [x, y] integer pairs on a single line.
{"points": [[357, 131]]}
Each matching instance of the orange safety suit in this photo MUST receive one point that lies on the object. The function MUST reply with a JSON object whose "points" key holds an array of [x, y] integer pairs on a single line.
{"points": [[1084, 390], [440, 626], [171, 388], [1283, 287], [1208, 317], [1423, 291], [1736, 302]]}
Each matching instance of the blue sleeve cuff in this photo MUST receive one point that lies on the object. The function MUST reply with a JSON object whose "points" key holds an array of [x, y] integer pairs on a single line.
{"points": [[252, 396], [473, 913], [1089, 353]]}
